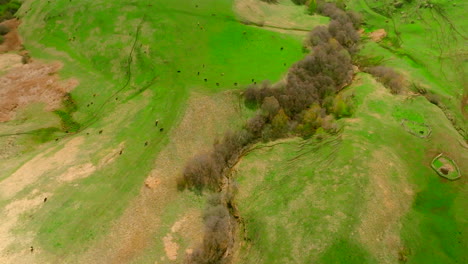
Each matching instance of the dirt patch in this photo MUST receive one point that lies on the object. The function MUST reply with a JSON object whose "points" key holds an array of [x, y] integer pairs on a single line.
{"points": [[8, 61], [78, 172], [446, 169], [378, 35], [390, 197], [113, 154], [84, 170], [152, 182], [170, 247], [32, 83], [38, 166], [12, 40], [10, 216]]}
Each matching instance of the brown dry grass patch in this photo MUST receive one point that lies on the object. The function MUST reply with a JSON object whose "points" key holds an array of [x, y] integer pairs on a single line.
{"points": [[378, 35], [32, 83], [390, 197], [12, 40]]}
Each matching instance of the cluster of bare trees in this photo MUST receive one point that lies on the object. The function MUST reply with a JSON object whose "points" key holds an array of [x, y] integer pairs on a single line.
{"points": [[305, 102], [311, 81], [206, 170], [218, 237]]}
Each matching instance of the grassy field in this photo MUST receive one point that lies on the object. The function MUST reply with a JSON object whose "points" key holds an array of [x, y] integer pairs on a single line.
{"points": [[159, 81], [137, 63], [367, 195], [425, 43]]}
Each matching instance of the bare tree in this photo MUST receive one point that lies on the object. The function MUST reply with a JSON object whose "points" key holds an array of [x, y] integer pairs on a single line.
{"points": [[388, 77]]}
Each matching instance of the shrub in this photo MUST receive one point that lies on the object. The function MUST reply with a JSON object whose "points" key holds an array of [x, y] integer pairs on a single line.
{"points": [[332, 11], [312, 8], [355, 18], [328, 124], [270, 1], [342, 106], [319, 35], [329, 65], [254, 94], [2, 39], [432, 98], [25, 58], [279, 123], [255, 125], [388, 77], [201, 172], [218, 234], [230, 146], [345, 34], [270, 106], [4, 30]]}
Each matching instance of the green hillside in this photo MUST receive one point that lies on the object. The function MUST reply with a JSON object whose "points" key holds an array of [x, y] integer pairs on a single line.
{"points": [[94, 181]]}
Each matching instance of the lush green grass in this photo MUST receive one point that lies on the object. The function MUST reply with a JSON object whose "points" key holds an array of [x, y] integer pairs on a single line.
{"points": [[426, 44], [302, 201], [136, 62]]}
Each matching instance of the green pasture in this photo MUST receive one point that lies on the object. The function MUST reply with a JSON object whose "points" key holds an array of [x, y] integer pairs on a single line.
{"points": [[308, 201], [426, 42], [137, 62], [321, 200]]}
